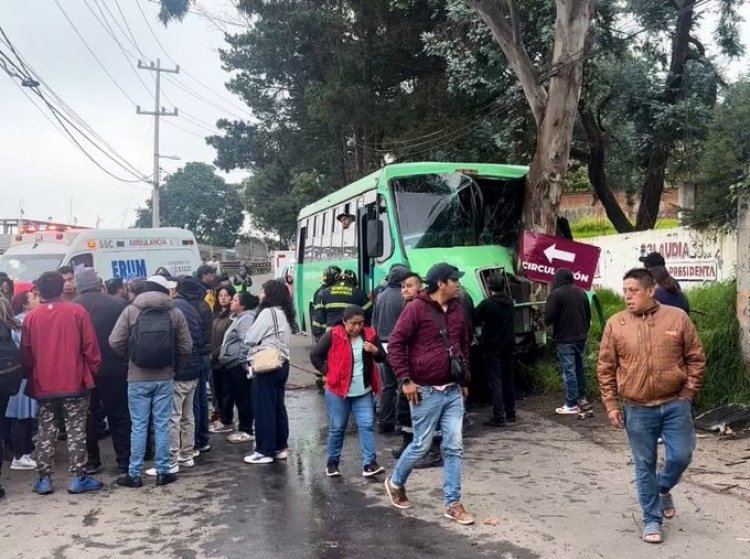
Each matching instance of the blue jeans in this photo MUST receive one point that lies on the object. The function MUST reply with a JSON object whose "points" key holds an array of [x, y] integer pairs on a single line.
{"points": [[437, 409], [339, 410], [200, 402], [673, 422], [149, 398], [574, 377]]}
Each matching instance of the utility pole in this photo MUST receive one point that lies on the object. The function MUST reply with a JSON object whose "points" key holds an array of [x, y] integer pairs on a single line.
{"points": [[157, 112]]}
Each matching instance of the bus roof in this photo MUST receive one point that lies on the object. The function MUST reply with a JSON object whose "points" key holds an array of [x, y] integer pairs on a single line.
{"points": [[389, 172]]}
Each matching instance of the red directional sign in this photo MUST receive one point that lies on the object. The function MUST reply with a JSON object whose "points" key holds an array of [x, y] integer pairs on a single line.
{"points": [[542, 254]]}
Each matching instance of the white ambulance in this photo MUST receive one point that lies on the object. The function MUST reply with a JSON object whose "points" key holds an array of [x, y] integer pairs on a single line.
{"points": [[114, 253]]}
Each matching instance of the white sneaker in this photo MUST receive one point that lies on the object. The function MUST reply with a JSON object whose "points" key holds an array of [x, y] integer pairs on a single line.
{"points": [[173, 469], [282, 454], [186, 462], [25, 462], [258, 458], [240, 437], [565, 410], [219, 427]]}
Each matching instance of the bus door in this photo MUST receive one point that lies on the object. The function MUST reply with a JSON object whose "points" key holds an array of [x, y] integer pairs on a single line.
{"points": [[370, 245]]}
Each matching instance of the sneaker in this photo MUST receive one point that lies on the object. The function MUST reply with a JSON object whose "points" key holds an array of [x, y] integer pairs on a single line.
{"points": [[332, 469], [219, 427], [92, 469], [196, 453], [84, 484], [204, 448], [173, 469], [584, 403], [282, 454], [127, 481], [566, 410], [372, 469], [25, 462], [397, 495], [186, 462], [43, 486], [457, 512], [258, 458], [240, 437]]}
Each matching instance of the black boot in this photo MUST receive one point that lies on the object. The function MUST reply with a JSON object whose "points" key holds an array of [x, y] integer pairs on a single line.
{"points": [[408, 437]]}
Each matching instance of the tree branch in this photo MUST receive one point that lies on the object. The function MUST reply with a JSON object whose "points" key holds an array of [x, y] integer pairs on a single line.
{"points": [[536, 95], [515, 24]]}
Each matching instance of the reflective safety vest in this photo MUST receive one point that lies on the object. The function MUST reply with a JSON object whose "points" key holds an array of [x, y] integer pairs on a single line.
{"points": [[333, 300]]}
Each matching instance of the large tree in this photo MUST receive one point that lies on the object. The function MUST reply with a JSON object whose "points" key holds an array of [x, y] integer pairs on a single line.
{"points": [[196, 198]]}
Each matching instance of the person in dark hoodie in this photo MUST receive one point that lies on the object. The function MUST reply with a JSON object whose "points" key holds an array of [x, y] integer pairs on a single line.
{"points": [[153, 357], [388, 307], [112, 380], [495, 316], [569, 313]]}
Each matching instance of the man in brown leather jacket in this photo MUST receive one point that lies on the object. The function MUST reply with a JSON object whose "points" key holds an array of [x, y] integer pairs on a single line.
{"points": [[651, 359]]}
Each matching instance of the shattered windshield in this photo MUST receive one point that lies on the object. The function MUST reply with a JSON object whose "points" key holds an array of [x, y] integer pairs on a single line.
{"points": [[439, 210]]}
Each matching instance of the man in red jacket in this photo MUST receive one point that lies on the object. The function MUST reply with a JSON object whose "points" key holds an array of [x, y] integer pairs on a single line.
{"points": [[61, 356], [429, 332]]}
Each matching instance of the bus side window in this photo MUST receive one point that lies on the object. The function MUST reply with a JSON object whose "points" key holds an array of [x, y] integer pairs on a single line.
{"points": [[85, 260], [349, 237], [325, 233], [302, 245], [316, 239], [308, 240], [387, 240]]}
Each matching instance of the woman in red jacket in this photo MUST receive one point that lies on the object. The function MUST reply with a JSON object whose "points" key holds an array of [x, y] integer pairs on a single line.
{"points": [[346, 355]]}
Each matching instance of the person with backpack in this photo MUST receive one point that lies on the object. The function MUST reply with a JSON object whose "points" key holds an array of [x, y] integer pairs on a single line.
{"points": [[154, 335], [112, 380], [188, 299], [61, 355]]}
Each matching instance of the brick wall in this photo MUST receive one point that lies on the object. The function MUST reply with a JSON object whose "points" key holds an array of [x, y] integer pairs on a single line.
{"points": [[575, 205]]}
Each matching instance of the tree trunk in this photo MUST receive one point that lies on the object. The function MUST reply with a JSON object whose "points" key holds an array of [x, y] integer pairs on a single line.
{"points": [[743, 277], [554, 133], [662, 139], [597, 172]]}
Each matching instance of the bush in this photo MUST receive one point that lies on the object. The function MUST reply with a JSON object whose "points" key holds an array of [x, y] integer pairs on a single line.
{"points": [[587, 227], [714, 316]]}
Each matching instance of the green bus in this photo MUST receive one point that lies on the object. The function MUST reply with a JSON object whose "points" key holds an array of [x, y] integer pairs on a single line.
{"points": [[418, 214]]}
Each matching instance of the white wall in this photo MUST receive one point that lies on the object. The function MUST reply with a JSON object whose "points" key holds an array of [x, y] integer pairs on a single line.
{"points": [[692, 257]]}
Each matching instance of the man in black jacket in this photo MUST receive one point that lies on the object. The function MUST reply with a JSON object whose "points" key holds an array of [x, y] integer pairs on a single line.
{"points": [[112, 380], [495, 316], [569, 313], [194, 292]]}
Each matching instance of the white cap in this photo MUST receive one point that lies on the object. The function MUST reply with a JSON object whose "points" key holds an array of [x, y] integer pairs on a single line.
{"points": [[162, 281]]}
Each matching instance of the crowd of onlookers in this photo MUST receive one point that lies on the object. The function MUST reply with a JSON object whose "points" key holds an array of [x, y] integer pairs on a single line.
{"points": [[143, 354]]}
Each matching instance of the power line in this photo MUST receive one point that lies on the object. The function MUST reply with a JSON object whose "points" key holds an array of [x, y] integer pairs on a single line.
{"points": [[64, 115]]}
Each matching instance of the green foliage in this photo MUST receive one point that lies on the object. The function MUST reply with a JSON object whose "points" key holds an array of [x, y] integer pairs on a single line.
{"points": [[196, 198], [587, 227], [576, 179], [725, 162], [725, 380]]}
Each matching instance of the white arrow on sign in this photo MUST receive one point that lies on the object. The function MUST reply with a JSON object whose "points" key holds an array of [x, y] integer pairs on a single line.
{"points": [[552, 253]]}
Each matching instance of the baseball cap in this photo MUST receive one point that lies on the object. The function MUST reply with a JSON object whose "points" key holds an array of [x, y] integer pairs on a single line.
{"points": [[443, 271], [652, 259], [163, 282]]}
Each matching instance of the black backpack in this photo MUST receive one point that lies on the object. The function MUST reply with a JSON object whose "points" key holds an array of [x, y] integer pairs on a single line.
{"points": [[152, 340], [11, 372]]}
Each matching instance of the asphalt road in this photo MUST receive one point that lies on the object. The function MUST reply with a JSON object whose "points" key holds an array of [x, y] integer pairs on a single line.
{"points": [[548, 487]]}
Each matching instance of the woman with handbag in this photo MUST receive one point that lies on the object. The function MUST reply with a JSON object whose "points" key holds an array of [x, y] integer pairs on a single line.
{"points": [[268, 339], [347, 354]]}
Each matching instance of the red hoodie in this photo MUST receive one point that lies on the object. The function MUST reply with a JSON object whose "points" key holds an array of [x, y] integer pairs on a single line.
{"points": [[416, 348], [59, 350]]}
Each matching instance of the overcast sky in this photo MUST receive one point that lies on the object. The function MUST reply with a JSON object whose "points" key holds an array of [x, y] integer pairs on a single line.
{"points": [[44, 173]]}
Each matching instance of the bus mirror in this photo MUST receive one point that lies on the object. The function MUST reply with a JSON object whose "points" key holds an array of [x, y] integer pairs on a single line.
{"points": [[374, 238]]}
